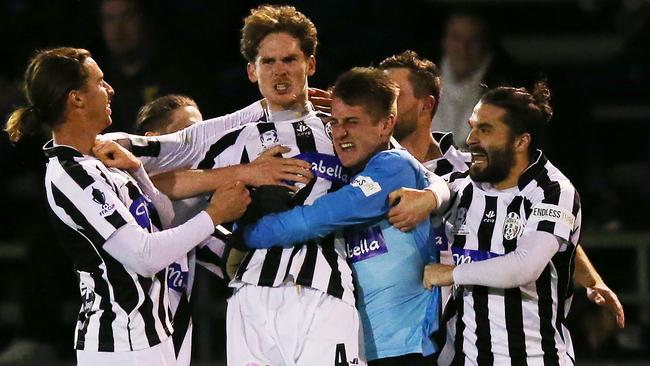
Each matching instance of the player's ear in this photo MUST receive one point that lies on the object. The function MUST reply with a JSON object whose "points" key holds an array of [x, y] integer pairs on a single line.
{"points": [[311, 65], [522, 142], [388, 124], [427, 104], [252, 73], [76, 98]]}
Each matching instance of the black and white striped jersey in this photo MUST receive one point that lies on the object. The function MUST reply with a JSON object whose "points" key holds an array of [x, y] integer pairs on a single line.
{"points": [[452, 159], [320, 263], [523, 325], [121, 310]]}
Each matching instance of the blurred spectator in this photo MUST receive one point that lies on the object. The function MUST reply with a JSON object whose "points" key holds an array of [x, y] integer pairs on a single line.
{"points": [[132, 62], [471, 57]]}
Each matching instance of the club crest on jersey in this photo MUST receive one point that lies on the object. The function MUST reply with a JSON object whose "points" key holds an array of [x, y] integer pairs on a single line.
{"points": [[512, 227], [100, 198], [364, 243], [328, 130], [460, 228], [269, 139]]}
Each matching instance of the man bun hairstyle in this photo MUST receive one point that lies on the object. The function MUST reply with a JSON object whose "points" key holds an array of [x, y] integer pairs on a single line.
{"points": [[526, 112]]}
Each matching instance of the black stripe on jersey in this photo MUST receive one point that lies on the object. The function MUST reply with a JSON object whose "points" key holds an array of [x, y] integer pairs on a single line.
{"points": [[443, 167], [244, 157], [77, 173], [486, 227], [152, 148], [294, 252], [116, 219], [108, 182], [306, 274], [335, 287], [459, 355], [270, 266], [88, 260], [243, 265], [163, 309], [458, 175], [480, 293], [465, 201], [124, 288], [545, 304], [204, 254], [181, 322], [483, 338], [304, 137], [146, 310], [552, 196], [513, 301], [217, 148]]}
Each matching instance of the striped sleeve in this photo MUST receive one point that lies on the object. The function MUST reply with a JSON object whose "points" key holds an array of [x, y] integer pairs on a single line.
{"points": [[86, 202], [556, 212]]}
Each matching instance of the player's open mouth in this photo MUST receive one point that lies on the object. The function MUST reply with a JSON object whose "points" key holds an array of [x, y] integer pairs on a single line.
{"points": [[479, 158], [108, 109], [282, 87], [346, 145]]}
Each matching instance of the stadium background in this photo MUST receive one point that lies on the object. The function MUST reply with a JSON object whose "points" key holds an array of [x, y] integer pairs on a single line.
{"points": [[597, 64]]}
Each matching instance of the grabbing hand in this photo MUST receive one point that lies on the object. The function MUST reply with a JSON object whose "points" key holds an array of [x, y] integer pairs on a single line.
{"points": [[602, 295], [272, 169], [115, 156], [228, 202], [436, 274], [413, 206]]}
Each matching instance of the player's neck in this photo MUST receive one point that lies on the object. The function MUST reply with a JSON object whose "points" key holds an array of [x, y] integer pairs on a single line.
{"points": [[78, 138], [275, 113], [421, 144]]}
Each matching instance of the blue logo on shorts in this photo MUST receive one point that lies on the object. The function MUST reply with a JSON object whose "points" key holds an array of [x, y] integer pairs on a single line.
{"points": [[364, 243]]}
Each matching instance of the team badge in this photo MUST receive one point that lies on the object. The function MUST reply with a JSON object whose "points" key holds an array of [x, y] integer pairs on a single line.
{"points": [[328, 129], [100, 198], [269, 139], [511, 226]]}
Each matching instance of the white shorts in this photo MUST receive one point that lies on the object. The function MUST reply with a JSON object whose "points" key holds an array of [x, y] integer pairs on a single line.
{"points": [[161, 354], [293, 326]]}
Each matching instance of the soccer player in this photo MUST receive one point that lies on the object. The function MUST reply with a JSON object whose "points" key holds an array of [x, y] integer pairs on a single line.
{"points": [[295, 305], [111, 226], [419, 84], [398, 315], [515, 222]]}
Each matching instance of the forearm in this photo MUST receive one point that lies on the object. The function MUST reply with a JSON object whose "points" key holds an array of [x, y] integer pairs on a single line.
{"points": [[585, 273], [181, 184], [517, 268], [147, 253]]}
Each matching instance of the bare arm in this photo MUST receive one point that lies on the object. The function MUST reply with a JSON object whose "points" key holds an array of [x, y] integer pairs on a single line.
{"points": [[267, 169], [597, 291]]}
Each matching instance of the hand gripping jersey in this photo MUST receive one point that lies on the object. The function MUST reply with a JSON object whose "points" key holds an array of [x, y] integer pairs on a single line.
{"points": [[398, 314], [524, 325], [316, 263], [121, 310]]}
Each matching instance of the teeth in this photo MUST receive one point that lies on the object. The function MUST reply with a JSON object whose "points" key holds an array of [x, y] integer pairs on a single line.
{"points": [[281, 87], [346, 145]]}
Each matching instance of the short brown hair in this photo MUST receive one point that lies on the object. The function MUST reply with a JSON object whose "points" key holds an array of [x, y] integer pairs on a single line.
{"points": [[267, 19], [50, 75], [424, 75], [154, 115], [368, 87]]}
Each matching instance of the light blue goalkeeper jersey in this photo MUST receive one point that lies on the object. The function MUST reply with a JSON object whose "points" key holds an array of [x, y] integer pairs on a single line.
{"points": [[398, 314]]}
